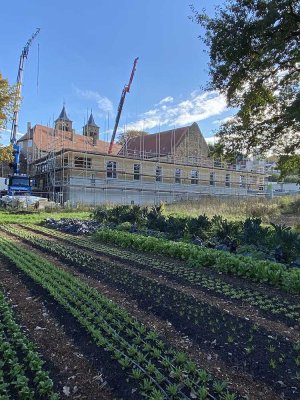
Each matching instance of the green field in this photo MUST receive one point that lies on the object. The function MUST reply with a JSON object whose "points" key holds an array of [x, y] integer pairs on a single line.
{"points": [[37, 217], [152, 318]]}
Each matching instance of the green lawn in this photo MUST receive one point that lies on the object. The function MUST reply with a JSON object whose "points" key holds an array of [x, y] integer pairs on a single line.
{"points": [[37, 217]]}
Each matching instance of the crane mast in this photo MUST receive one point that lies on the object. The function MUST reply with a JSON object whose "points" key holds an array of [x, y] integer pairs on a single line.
{"points": [[23, 57], [15, 119], [126, 89], [19, 184]]}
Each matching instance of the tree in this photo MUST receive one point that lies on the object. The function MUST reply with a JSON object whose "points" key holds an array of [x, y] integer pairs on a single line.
{"points": [[218, 152], [6, 154], [255, 61], [123, 137], [289, 165], [7, 102]]}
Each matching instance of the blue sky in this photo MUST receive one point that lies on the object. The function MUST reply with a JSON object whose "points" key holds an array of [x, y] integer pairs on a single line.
{"points": [[86, 52]]}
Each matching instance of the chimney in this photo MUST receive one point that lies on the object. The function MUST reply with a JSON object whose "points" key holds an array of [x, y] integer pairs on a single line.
{"points": [[28, 127]]}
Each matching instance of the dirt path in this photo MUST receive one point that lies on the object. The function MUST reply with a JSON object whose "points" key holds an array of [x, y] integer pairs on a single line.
{"points": [[241, 382]]}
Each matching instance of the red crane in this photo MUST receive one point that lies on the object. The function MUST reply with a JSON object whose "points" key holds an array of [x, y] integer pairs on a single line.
{"points": [[120, 107]]}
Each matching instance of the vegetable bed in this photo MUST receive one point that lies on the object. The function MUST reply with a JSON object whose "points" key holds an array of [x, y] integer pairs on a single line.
{"points": [[22, 371], [157, 369], [237, 341]]}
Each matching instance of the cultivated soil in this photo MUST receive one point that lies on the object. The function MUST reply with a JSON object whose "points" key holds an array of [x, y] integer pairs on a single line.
{"points": [[242, 382]]}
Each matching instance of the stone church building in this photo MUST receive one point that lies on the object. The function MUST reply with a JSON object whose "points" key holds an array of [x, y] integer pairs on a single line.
{"points": [[165, 166]]}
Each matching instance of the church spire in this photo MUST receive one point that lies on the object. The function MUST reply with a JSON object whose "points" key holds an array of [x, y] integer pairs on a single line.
{"points": [[63, 115], [63, 122], [90, 129], [91, 120]]}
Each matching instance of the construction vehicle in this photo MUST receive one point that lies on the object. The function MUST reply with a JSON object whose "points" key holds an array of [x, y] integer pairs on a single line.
{"points": [[120, 107], [17, 183]]}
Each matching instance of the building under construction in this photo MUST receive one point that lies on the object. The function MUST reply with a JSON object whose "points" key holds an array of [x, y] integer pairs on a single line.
{"points": [[166, 166], [80, 168]]}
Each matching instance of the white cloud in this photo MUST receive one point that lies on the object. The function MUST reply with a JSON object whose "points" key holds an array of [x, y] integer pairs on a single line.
{"points": [[144, 124], [223, 121], [151, 112], [104, 104], [197, 107], [168, 99], [211, 140]]}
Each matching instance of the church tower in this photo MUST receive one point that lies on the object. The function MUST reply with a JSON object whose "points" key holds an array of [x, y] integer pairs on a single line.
{"points": [[63, 123], [91, 129]]}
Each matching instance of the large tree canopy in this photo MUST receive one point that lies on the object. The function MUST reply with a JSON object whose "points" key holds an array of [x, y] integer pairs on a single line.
{"points": [[289, 165], [7, 102], [255, 61]]}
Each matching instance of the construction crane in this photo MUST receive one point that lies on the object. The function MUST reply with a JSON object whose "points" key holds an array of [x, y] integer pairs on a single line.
{"points": [[120, 107], [19, 184]]}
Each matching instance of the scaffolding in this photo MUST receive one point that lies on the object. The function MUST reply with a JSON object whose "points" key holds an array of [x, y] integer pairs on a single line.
{"points": [[66, 173]]}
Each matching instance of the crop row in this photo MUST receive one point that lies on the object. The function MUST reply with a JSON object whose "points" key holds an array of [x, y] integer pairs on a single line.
{"points": [[276, 241], [160, 371], [22, 372], [237, 340], [261, 271], [276, 305]]}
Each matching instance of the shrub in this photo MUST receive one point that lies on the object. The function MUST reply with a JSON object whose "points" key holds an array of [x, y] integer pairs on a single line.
{"points": [[119, 214], [156, 219], [124, 226], [176, 227], [286, 243], [200, 226], [217, 232], [224, 230], [100, 214], [253, 232]]}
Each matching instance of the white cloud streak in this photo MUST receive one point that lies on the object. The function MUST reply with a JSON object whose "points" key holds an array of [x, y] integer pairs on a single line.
{"points": [[199, 106], [168, 99], [104, 104], [223, 121]]}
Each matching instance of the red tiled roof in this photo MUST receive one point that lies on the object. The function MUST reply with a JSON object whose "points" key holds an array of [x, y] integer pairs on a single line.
{"points": [[26, 136], [44, 140], [161, 142]]}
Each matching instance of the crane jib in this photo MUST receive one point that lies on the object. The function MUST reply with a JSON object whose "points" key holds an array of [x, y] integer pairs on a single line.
{"points": [[120, 107]]}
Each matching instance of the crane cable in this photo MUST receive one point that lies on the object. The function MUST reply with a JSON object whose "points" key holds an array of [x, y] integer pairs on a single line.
{"points": [[38, 69]]}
